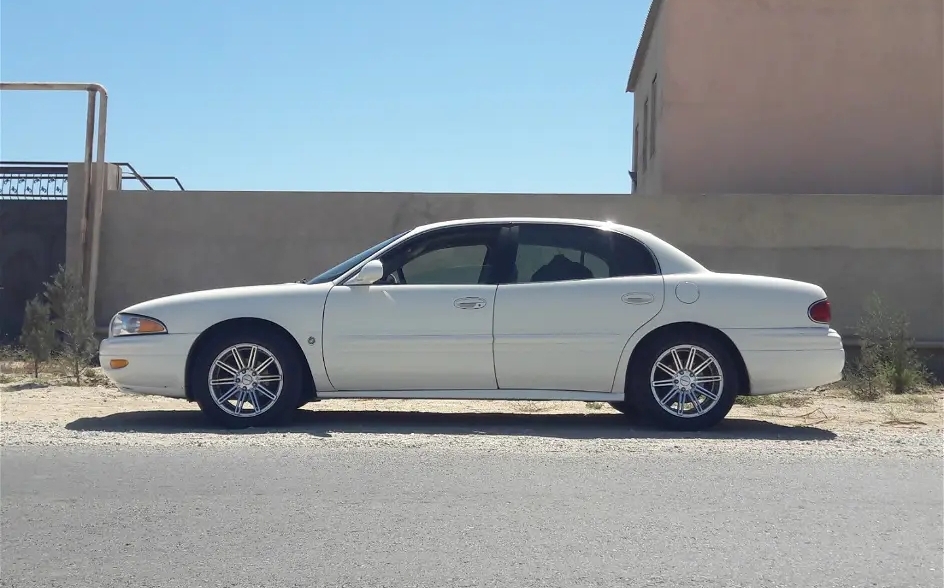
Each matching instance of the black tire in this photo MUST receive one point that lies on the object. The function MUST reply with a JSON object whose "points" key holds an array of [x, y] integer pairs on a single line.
{"points": [[706, 346], [624, 407], [267, 343]]}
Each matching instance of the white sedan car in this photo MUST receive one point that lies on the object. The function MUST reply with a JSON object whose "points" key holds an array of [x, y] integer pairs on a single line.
{"points": [[503, 308]]}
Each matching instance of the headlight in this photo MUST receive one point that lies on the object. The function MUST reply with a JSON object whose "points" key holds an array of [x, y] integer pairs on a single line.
{"points": [[131, 324]]}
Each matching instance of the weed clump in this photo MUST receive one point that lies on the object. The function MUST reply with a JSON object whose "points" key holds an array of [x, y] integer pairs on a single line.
{"points": [[888, 362]]}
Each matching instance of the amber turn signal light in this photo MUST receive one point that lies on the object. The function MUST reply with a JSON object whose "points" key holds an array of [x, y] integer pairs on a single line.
{"points": [[117, 364], [149, 326]]}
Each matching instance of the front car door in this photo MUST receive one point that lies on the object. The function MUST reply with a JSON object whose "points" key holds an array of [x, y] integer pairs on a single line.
{"points": [[427, 325], [574, 297]]}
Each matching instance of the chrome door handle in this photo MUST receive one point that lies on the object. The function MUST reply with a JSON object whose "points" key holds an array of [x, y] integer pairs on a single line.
{"points": [[469, 303], [637, 298]]}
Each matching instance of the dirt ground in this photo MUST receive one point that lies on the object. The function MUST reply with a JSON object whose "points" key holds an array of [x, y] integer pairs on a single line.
{"points": [[49, 400]]}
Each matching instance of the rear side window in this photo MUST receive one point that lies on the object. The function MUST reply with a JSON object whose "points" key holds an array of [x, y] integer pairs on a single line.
{"points": [[552, 253], [631, 257]]}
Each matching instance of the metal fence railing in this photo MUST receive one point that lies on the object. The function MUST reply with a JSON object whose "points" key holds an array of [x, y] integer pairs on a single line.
{"points": [[33, 181], [49, 180]]}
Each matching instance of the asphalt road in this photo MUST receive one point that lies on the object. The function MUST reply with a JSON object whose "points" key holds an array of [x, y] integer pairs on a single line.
{"points": [[314, 517]]}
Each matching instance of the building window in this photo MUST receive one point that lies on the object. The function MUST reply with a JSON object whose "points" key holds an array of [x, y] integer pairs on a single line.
{"points": [[652, 120], [645, 134], [636, 148]]}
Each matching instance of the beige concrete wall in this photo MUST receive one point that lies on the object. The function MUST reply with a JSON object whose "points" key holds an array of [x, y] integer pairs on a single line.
{"points": [[157, 243], [648, 166], [801, 96]]}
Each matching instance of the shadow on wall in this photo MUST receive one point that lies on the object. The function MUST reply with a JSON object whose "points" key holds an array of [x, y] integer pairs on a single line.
{"points": [[19, 275], [32, 246]]}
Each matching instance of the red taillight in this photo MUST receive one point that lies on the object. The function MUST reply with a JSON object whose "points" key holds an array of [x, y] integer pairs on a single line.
{"points": [[820, 312]]}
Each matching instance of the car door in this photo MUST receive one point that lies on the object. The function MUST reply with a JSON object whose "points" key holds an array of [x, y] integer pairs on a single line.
{"points": [[426, 325], [574, 297]]}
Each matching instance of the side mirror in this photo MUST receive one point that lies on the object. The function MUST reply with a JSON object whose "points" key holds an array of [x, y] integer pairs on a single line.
{"points": [[371, 272]]}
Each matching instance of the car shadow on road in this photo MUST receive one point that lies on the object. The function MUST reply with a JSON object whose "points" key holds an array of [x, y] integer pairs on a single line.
{"points": [[561, 426]]}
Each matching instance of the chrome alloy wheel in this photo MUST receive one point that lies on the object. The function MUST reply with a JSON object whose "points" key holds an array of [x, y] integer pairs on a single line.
{"points": [[245, 380], [686, 381]]}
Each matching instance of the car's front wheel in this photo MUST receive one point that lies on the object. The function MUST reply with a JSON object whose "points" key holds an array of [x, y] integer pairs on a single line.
{"points": [[247, 380], [685, 381]]}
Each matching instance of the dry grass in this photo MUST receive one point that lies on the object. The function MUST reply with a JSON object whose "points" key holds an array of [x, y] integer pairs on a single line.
{"points": [[926, 396], [839, 407], [16, 369], [927, 402], [537, 406], [777, 400], [894, 415], [531, 406], [7, 378]]}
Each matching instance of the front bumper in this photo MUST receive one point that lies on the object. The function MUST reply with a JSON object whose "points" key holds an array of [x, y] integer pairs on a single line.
{"points": [[156, 363]]}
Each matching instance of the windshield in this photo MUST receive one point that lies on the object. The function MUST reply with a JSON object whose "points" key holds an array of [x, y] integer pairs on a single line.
{"points": [[343, 267]]}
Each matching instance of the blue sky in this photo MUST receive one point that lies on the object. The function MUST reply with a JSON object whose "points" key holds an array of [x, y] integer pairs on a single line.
{"points": [[414, 95]]}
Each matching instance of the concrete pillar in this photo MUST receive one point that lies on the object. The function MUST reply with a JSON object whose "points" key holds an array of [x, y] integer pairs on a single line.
{"points": [[81, 216], [75, 211]]}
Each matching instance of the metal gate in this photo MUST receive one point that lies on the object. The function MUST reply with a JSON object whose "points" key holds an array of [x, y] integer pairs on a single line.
{"points": [[32, 236]]}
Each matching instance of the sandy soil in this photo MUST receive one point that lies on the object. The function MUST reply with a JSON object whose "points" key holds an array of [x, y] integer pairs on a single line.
{"points": [[45, 411], [29, 401]]}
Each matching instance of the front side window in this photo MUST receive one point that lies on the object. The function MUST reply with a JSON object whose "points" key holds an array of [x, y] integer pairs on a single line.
{"points": [[348, 264], [452, 256], [552, 253]]}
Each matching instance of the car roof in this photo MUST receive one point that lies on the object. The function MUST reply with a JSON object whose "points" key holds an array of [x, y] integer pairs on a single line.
{"points": [[530, 220]]}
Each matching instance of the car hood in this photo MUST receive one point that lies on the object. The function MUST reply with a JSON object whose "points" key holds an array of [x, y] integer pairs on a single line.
{"points": [[194, 311]]}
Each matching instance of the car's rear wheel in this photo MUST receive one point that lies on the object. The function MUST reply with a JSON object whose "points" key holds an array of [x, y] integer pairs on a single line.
{"points": [[247, 380], [685, 381]]}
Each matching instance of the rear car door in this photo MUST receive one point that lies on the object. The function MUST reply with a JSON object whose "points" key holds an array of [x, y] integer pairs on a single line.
{"points": [[574, 297]]}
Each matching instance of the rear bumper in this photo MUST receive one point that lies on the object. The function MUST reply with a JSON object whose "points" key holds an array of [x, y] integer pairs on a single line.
{"points": [[783, 371], [156, 363], [781, 360]]}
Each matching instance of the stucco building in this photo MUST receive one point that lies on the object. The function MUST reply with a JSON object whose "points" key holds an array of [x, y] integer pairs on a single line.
{"points": [[790, 96]]}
